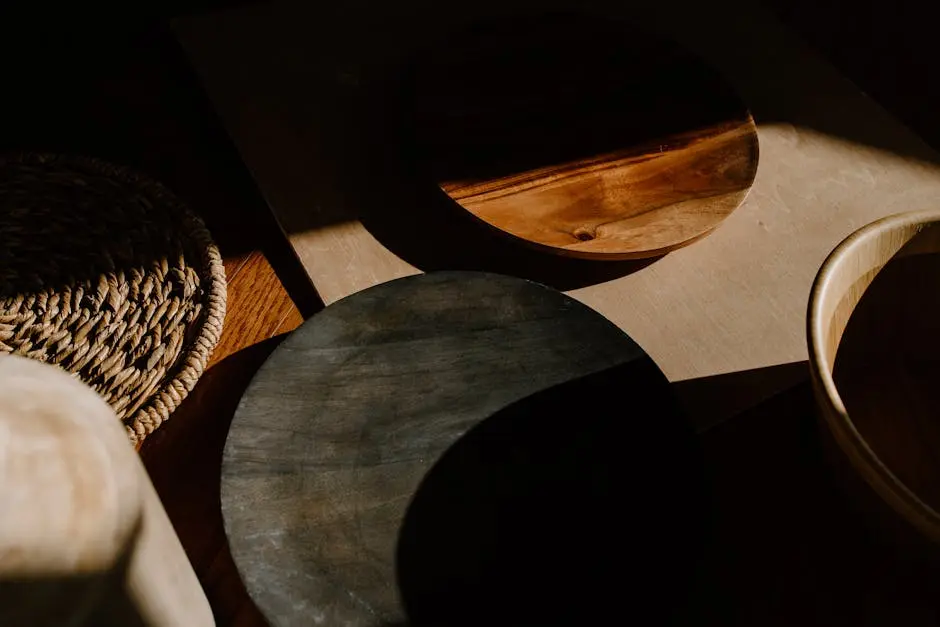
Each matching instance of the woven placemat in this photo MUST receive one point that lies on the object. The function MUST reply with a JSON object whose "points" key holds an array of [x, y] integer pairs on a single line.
{"points": [[106, 274]]}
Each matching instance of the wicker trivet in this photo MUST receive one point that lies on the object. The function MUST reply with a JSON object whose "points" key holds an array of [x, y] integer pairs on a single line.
{"points": [[106, 274]]}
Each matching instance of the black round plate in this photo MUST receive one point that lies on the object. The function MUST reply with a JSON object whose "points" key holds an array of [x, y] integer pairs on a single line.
{"points": [[460, 448]]}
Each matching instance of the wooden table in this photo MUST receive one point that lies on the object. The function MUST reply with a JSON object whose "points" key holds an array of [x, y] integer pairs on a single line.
{"points": [[724, 318], [788, 553]]}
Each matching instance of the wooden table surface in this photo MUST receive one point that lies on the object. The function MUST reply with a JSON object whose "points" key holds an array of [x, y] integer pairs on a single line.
{"points": [[787, 553]]}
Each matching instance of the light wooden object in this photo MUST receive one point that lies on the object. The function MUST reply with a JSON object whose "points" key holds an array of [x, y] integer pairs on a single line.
{"points": [[839, 287], [287, 80], [84, 539]]}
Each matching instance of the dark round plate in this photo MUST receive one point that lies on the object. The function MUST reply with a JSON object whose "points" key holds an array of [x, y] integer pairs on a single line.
{"points": [[585, 137], [460, 448]]}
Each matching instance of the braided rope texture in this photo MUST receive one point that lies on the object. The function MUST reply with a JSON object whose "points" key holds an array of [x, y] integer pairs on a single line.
{"points": [[106, 274]]}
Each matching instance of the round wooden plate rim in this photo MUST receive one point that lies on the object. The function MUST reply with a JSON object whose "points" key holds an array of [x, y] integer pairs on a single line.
{"points": [[843, 429]]}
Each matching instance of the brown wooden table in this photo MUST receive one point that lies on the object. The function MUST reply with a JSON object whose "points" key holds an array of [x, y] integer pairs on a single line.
{"points": [[787, 551]]}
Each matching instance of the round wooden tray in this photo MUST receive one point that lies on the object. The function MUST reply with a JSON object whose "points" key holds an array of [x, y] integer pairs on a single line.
{"points": [[583, 137], [460, 448]]}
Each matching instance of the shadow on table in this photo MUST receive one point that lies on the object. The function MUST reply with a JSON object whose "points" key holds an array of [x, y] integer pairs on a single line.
{"points": [[196, 438], [582, 504], [709, 401], [607, 526], [124, 92], [788, 548]]}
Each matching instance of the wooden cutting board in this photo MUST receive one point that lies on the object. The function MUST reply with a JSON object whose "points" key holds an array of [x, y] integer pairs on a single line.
{"points": [[292, 82], [466, 449], [566, 132]]}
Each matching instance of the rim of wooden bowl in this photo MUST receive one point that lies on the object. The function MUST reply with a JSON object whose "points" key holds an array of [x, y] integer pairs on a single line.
{"points": [[872, 469]]}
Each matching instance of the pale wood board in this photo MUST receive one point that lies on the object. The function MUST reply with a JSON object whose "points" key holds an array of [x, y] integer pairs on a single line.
{"points": [[831, 160], [84, 539]]}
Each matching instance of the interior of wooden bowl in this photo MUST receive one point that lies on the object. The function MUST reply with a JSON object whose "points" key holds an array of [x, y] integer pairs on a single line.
{"points": [[875, 353]]}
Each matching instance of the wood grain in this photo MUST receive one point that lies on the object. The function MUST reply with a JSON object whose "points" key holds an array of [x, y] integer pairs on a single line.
{"points": [[873, 322], [417, 448], [575, 138], [261, 307], [623, 205]]}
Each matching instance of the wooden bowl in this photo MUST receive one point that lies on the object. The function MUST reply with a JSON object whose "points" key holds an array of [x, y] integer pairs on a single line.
{"points": [[874, 354]]}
